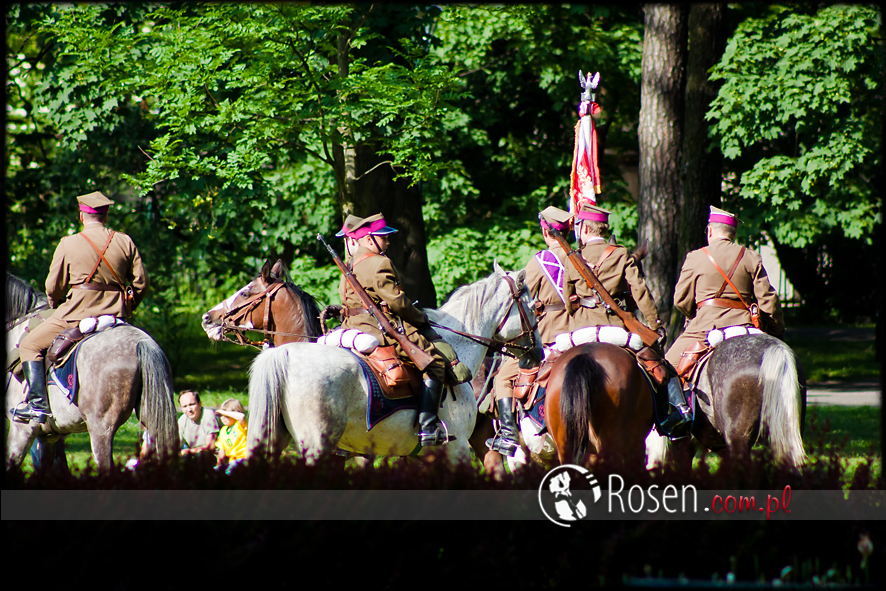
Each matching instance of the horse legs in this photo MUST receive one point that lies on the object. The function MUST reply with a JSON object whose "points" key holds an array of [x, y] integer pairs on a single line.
{"points": [[493, 462], [20, 439]]}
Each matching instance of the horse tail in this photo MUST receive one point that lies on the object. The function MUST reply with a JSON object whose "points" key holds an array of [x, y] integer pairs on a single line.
{"points": [[267, 382], [158, 412], [780, 414], [580, 379]]}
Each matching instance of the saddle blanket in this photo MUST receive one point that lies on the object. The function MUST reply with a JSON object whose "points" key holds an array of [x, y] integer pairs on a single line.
{"points": [[380, 407], [65, 375]]}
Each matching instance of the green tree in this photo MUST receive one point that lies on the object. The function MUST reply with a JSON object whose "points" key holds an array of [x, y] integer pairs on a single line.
{"points": [[798, 117]]}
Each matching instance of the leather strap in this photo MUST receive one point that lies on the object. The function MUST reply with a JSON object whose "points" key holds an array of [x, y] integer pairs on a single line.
{"points": [[731, 271], [558, 307], [97, 287], [722, 303], [726, 277], [603, 256], [101, 254]]}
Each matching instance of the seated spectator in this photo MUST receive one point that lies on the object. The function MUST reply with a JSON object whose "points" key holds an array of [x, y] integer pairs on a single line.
{"points": [[198, 427], [231, 444]]}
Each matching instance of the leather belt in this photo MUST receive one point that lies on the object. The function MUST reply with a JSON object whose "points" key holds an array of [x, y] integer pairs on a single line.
{"points": [[97, 287], [722, 303], [558, 307], [346, 311], [588, 302]]}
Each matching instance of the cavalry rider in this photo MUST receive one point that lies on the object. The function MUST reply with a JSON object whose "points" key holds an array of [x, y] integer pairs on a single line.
{"points": [[366, 241], [88, 277], [544, 279], [620, 276], [616, 271], [706, 299]]}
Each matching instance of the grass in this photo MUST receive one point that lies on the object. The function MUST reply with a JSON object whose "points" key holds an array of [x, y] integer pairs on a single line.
{"points": [[825, 360]]}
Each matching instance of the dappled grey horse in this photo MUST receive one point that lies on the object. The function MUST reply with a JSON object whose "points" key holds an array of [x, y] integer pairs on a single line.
{"points": [[752, 388], [119, 370]]}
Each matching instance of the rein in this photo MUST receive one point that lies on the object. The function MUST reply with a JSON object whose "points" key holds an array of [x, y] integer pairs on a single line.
{"points": [[525, 324], [36, 311]]}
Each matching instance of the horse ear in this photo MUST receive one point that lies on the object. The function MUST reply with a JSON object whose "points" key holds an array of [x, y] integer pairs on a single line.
{"points": [[277, 269], [521, 276], [266, 272], [496, 267]]}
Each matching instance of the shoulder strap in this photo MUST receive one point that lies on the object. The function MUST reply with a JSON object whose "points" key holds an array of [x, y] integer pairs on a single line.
{"points": [[354, 262], [727, 277], [101, 255], [604, 255]]}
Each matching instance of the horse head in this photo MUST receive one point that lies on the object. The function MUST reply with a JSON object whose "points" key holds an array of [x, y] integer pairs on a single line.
{"points": [[518, 330], [269, 303]]}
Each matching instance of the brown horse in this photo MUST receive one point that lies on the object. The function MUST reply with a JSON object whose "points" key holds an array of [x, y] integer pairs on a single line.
{"points": [[270, 304], [599, 406]]}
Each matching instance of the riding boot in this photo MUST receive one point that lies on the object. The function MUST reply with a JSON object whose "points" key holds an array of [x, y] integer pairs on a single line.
{"points": [[505, 441], [36, 407], [433, 431], [679, 421]]}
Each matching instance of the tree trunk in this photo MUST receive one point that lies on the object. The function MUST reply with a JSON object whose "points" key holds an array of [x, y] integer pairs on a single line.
{"points": [[702, 167], [660, 130], [377, 192]]}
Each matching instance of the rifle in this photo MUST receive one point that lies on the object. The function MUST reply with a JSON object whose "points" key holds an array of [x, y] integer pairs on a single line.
{"points": [[419, 357], [649, 336]]}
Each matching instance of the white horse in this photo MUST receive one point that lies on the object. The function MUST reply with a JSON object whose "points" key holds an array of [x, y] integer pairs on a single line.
{"points": [[318, 394]]}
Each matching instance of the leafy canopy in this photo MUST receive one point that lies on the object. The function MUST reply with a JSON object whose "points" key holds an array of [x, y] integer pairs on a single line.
{"points": [[799, 113]]}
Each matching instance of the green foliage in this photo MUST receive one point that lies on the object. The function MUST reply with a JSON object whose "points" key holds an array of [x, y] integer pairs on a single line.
{"points": [[799, 113]]}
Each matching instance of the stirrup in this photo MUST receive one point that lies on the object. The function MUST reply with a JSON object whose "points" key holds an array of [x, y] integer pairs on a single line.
{"points": [[502, 445], [433, 439], [678, 423], [25, 413]]}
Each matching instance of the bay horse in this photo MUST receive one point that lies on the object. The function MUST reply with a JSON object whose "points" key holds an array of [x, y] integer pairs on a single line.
{"points": [[751, 389], [318, 394], [270, 304], [119, 370], [599, 406]]}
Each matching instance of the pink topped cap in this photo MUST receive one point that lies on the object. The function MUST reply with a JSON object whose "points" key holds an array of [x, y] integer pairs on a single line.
{"points": [[718, 216], [593, 213]]}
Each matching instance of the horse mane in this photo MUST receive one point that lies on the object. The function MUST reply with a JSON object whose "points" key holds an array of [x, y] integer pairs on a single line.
{"points": [[21, 298], [310, 310], [466, 302]]}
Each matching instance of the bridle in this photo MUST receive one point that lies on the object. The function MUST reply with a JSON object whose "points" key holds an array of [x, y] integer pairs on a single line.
{"points": [[231, 318], [527, 327]]}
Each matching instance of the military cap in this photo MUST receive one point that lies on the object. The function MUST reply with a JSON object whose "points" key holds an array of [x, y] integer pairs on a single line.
{"points": [[374, 224], [592, 213], [718, 216], [352, 222], [556, 217], [94, 203]]}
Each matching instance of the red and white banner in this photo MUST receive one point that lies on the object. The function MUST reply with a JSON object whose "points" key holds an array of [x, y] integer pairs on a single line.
{"points": [[584, 182]]}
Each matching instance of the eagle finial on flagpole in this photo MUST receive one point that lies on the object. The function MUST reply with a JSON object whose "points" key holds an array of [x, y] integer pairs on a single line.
{"points": [[584, 182]]}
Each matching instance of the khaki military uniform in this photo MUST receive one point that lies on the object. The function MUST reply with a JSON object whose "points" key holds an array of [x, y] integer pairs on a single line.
{"points": [[381, 281], [72, 263], [550, 324], [620, 276], [700, 281]]}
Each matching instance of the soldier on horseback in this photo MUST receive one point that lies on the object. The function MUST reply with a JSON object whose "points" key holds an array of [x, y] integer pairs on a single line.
{"points": [[366, 241], [620, 276], [90, 275], [713, 298], [544, 279]]}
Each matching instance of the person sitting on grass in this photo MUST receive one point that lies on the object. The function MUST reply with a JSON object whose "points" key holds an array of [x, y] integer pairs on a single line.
{"points": [[231, 442], [197, 427]]}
